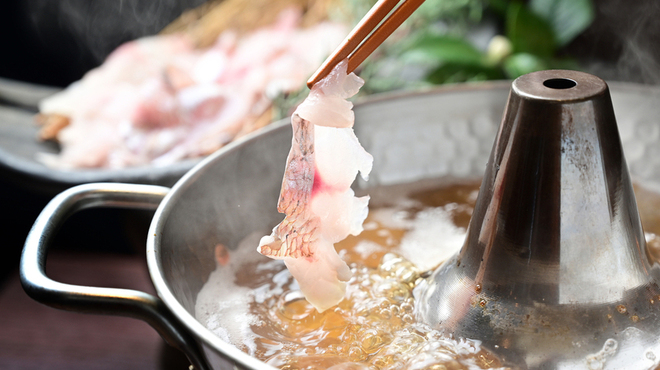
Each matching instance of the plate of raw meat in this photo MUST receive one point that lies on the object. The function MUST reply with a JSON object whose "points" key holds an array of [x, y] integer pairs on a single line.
{"points": [[159, 104]]}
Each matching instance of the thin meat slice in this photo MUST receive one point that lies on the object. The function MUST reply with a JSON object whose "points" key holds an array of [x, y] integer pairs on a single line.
{"points": [[319, 205]]}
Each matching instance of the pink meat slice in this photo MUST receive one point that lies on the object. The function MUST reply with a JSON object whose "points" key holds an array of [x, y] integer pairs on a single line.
{"points": [[316, 197], [158, 100]]}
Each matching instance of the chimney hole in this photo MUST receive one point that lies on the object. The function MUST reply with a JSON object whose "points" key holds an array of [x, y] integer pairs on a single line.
{"points": [[559, 83]]}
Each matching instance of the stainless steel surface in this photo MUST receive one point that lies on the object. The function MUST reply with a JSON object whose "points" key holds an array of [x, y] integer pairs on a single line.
{"points": [[123, 302], [446, 132], [554, 267]]}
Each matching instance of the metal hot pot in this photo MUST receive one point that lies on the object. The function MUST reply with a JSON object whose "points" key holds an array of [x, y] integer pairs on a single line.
{"points": [[445, 132]]}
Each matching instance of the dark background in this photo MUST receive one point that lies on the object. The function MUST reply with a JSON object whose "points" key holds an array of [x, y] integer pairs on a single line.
{"points": [[56, 42], [623, 43]]}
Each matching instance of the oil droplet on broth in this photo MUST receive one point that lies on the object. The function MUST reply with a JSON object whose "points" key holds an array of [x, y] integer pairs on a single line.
{"points": [[374, 327]]}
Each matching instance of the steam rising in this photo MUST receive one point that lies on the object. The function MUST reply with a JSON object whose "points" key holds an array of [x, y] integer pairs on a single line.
{"points": [[98, 27], [640, 58], [623, 42]]}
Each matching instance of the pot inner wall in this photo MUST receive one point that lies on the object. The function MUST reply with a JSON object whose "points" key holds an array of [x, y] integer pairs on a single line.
{"points": [[234, 196]]}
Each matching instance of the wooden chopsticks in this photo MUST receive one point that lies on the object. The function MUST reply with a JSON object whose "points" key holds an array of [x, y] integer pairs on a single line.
{"points": [[353, 47]]}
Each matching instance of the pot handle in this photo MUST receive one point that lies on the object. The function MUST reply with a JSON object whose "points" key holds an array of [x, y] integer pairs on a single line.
{"points": [[120, 302]]}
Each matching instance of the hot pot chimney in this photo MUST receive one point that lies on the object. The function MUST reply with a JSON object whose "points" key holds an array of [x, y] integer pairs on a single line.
{"points": [[554, 272]]}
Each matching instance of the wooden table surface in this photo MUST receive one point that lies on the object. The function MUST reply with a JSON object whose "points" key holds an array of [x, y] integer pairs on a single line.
{"points": [[35, 336]]}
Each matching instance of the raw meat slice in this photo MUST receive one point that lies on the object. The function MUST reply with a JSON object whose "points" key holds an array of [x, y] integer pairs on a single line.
{"points": [[316, 196]]}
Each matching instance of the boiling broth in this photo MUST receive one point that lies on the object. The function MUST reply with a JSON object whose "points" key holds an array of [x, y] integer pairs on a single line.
{"points": [[410, 231]]}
